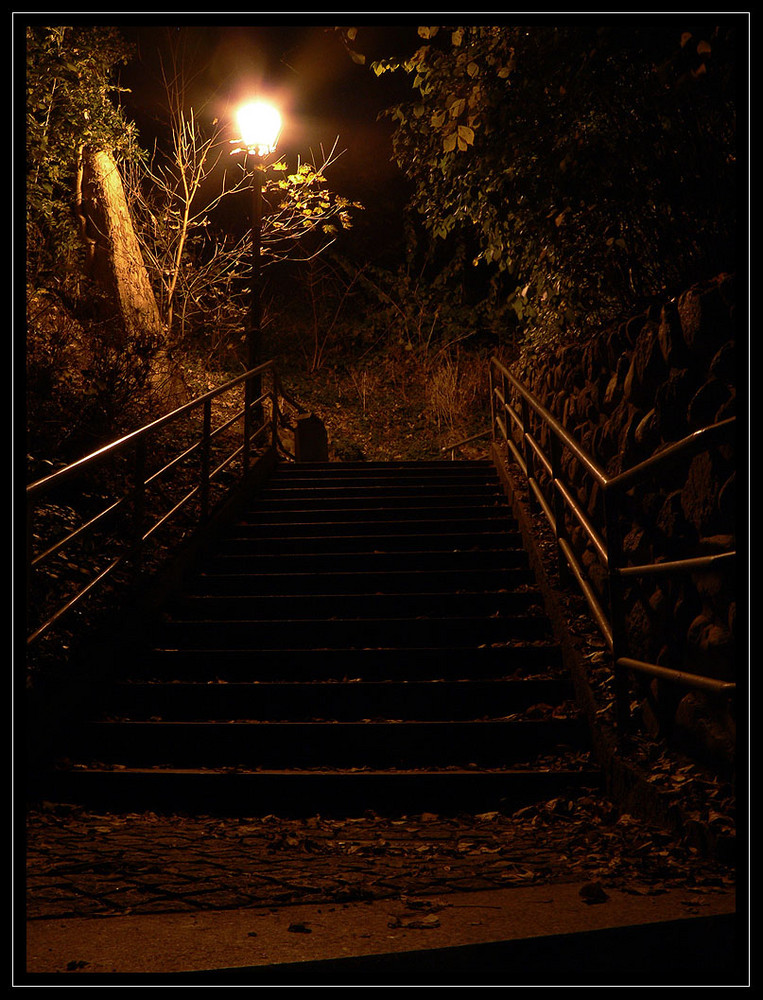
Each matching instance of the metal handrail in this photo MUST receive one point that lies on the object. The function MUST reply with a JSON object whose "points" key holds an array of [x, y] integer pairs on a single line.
{"points": [[130, 537], [605, 538], [452, 448]]}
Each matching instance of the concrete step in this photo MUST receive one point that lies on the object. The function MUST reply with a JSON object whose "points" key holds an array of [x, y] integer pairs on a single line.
{"points": [[392, 468], [351, 701], [368, 605], [387, 743], [389, 663], [366, 492], [284, 538], [358, 582], [448, 512], [240, 556], [350, 633], [324, 792]]}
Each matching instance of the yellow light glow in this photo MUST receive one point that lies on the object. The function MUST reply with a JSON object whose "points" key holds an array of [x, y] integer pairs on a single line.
{"points": [[260, 126]]}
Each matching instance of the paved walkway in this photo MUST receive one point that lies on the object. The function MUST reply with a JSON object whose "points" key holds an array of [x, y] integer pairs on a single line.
{"points": [[157, 895], [84, 864]]}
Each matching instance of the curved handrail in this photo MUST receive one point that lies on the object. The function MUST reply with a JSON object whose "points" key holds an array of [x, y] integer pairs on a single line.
{"points": [[605, 537]]}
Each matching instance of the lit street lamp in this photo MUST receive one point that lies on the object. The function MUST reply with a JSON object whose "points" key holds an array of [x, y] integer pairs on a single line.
{"points": [[260, 126]]}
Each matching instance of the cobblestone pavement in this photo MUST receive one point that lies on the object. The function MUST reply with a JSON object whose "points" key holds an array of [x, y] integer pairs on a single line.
{"points": [[86, 864]]}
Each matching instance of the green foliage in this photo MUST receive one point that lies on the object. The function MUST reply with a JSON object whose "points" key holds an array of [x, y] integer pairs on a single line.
{"points": [[304, 214], [593, 166], [417, 307], [70, 104], [79, 380]]}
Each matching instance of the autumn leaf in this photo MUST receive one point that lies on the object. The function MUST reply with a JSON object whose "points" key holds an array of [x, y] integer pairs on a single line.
{"points": [[457, 106]]}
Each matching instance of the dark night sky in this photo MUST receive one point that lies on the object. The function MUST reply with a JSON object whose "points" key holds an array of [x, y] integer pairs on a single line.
{"points": [[306, 71]]}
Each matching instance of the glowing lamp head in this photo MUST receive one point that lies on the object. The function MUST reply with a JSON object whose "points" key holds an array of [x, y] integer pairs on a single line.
{"points": [[260, 126]]}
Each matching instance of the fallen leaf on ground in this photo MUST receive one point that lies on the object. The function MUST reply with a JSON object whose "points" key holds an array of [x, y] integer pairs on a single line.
{"points": [[593, 892], [414, 922]]}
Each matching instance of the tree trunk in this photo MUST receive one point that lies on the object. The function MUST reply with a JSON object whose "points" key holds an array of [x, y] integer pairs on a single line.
{"points": [[117, 263]]}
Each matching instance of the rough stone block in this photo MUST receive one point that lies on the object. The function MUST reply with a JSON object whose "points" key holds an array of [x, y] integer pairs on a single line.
{"points": [[310, 439]]}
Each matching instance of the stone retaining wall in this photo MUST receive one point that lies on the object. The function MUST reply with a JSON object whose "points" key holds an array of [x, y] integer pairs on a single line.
{"points": [[623, 396]]}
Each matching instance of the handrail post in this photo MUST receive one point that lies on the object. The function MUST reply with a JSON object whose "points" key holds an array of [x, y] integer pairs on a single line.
{"points": [[491, 377], [507, 422], [247, 422], [557, 502], [527, 452], [30, 508], [139, 507], [609, 547], [617, 608], [274, 414], [205, 454], [136, 518]]}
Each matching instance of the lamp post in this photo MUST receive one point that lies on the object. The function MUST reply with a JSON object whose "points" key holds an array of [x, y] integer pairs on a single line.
{"points": [[260, 126]]}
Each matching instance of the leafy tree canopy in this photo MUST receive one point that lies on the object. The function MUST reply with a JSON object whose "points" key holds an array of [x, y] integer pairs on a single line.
{"points": [[594, 166], [70, 104]]}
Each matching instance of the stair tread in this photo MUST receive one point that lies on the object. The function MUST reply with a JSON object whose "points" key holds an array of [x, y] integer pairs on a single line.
{"points": [[162, 698], [371, 541], [399, 465], [346, 607], [385, 490], [516, 684], [483, 724], [327, 770], [478, 527], [354, 633], [441, 512], [425, 504], [367, 562], [162, 646], [381, 664], [387, 582], [258, 685]]}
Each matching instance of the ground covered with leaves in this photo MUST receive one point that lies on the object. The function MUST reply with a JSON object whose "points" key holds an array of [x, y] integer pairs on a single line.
{"points": [[81, 863], [397, 405]]}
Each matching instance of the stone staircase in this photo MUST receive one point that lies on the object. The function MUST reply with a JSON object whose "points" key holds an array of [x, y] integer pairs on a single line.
{"points": [[367, 636]]}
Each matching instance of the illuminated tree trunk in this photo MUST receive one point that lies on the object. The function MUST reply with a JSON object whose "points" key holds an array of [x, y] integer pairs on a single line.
{"points": [[116, 262]]}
